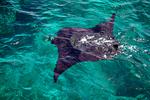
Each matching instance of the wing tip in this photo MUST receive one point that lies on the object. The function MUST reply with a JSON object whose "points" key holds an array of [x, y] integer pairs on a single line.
{"points": [[56, 75]]}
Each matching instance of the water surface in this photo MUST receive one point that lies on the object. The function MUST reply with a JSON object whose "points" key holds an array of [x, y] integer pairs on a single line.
{"points": [[27, 58]]}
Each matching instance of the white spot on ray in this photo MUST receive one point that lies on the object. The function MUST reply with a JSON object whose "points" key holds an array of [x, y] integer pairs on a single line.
{"points": [[83, 40], [89, 37], [105, 56]]}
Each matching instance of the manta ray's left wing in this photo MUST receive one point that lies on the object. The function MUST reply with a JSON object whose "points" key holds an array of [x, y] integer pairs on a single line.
{"points": [[68, 56]]}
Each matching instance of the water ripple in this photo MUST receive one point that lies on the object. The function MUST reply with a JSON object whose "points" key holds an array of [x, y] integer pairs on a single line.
{"points": [[27, 59]]}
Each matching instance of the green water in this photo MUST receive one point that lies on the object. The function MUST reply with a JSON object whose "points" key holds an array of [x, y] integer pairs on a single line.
{"points": [[27, 59]]}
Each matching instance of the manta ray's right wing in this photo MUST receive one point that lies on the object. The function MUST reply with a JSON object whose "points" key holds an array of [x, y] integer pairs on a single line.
{"points": [[106, 28]]}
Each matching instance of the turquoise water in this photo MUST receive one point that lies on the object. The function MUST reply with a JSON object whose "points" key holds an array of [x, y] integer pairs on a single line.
{"points": [[27, 58]]}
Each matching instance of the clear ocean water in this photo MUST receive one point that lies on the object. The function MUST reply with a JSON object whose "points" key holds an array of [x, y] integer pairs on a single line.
{"points": [[27, 58]]}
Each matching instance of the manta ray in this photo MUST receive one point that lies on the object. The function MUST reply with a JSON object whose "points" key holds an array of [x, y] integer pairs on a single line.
{"points": [[76, 45]]}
